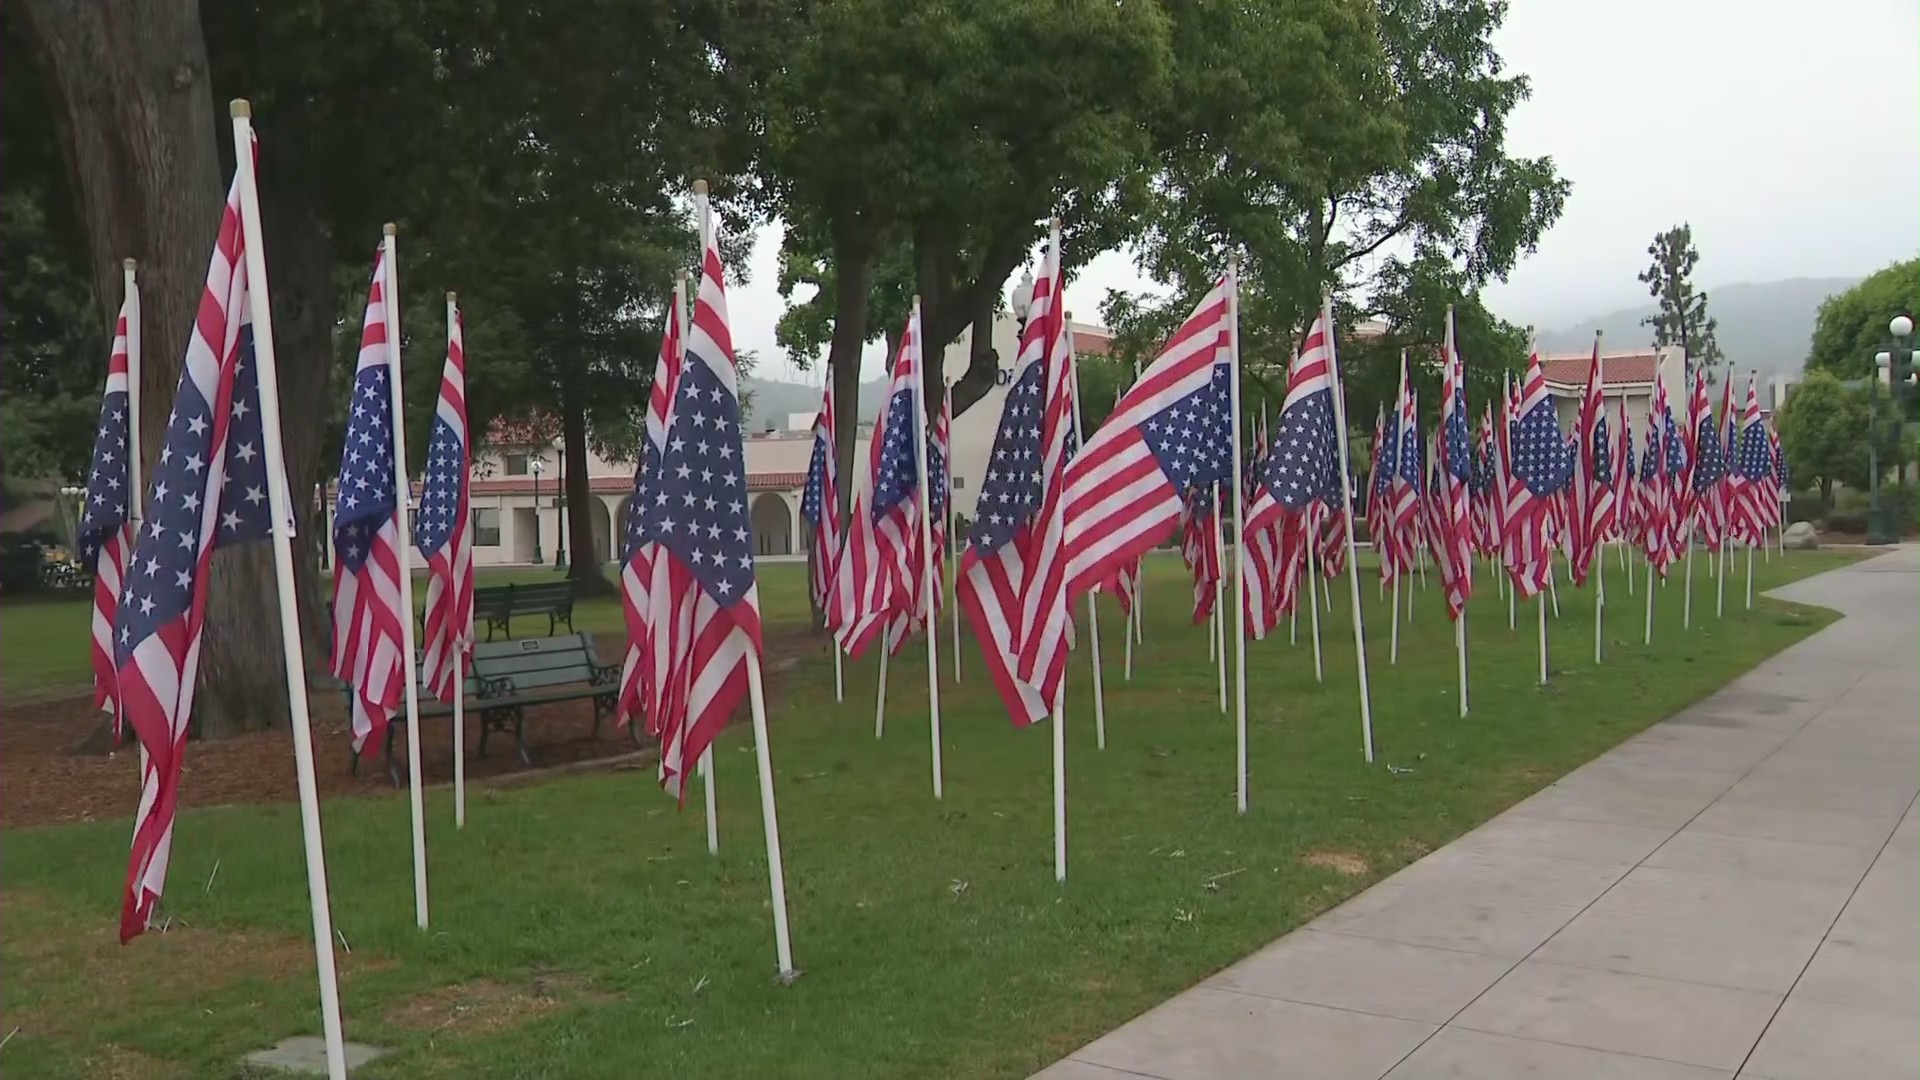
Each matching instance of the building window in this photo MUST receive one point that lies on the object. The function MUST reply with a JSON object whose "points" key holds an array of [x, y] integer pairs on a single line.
{"points": [[516, 463], [486, 527], [959, 483]]}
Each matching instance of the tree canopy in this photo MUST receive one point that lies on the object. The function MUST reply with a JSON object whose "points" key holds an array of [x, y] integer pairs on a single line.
{"points": [[1682, 319], [1852, 326]]}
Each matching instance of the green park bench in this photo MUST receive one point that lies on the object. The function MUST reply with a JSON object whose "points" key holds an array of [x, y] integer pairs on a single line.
{"points": [[498, 604], [506, 678]]}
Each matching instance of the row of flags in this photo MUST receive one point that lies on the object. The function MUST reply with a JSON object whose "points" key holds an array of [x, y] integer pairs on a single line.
{"points": [[1060, 516]]}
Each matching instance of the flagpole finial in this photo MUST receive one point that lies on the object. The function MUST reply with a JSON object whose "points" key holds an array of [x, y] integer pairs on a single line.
{"points": [[452, 297], [916, 299], [700, 187], [130, 264], [389, 228], [240, 107]]}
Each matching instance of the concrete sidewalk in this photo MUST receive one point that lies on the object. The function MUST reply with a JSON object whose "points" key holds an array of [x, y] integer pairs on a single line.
{"points": [[1732, 892]]}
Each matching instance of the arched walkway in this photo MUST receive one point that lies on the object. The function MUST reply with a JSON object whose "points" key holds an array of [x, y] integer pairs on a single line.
{"points": [[602, 532], [772, 525]]}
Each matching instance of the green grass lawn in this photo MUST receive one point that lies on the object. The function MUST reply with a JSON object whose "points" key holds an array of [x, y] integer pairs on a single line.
{"points": [[44, 642], [581, 930]]}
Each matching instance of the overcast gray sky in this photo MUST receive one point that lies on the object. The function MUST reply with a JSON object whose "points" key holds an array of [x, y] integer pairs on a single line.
{"points": [[1787, 132]]}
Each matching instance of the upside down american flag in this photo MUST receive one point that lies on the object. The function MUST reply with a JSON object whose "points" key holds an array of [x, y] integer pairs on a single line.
{"points": [[210, 489]]}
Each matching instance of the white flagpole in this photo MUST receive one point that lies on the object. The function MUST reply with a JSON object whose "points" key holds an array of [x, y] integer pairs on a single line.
{"points": [[1599, 554], [1093, 594], [1686, 603], [403, 490], [1213, 637], [1313, 612], [1132, 616], [1060, 783], [763, 758], [1540, 603], [1649, 638], [953, 537], [135, 496], [280, 503], [713, 816], [839, 675], [1553, 586], [1239, 525], [928, 582], [769, 817], [1749, 577], [1599, 602], [1393, 649], [880, 695], [1510, 607], [1293, 616], [459, 675], [1346, 511], [1720, 580], [1219, 590]]}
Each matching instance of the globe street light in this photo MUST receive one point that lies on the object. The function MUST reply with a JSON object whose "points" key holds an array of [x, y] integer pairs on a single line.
{"points": [[1022, 304], [536, 467], [1896, 359]]}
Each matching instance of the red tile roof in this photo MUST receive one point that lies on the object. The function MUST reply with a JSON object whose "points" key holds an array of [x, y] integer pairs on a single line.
{"points": [[621, 485], [1623, 368], [1092, 342]]}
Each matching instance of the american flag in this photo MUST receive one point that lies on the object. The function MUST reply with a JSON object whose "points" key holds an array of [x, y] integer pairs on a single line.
{"points": [[1486, 530], [916, 608], [1298, 488], [1625, 496], [1752, 474], [644, 671], [210, 489], [705, 603], [1403, 492], [880, 568], [1333, 541], [820, 504], [1706, 466], [1660, 469], [1199, 522], [1016, 536], [105, 536], [1168, 433], [367, 620], [1594, 506], [1673, 452], [441, 530], [1451, 517], [1379, 482], [1541, 468], [1782, 481]]}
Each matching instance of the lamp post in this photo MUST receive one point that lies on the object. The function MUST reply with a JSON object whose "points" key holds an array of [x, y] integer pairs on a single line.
{"points": [[560, 510], [1022, 304], [1896, 359], [536, 466]]}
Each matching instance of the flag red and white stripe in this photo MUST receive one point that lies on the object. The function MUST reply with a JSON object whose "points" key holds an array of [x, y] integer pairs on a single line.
{"points": [[1016, 538], [367, 650], [443, 529], [646, 665], [1592, 490], [705, 602], [105, 520]]}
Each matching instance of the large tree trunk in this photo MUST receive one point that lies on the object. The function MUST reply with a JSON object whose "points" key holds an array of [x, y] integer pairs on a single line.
{"points": [[139, 133], [243, 687], [584, 569], [853, 282]]}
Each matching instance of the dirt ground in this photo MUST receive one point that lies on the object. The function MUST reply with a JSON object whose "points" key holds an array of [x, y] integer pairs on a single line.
{"points": [[55, 765]]}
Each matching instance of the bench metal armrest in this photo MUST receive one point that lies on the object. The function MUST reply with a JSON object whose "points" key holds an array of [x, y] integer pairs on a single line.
{"points": [[498, 686], [604, 675]]}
